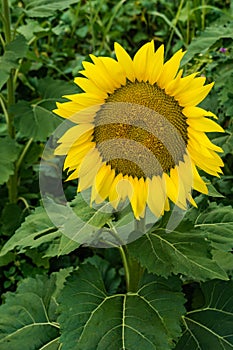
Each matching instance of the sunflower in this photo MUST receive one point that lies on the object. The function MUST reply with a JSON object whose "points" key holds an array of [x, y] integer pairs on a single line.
{"points": [[137, 132]]}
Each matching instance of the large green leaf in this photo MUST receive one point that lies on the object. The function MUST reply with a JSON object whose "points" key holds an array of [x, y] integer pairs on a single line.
{"points": [[9, 151], [28, 316], [210, 327], [38, 230], [217, 223], [44, 8], [13, 51], [31, 28], [94, 320], [202, 43], [176, 252], [37, 120], [226, 142]]}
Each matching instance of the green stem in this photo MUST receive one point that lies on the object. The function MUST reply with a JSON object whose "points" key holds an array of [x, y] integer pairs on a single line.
{"points": [[12, 185], [27, 206], [4, 109], [6, 20], [10, 81], [203, 15], [124, 257], [2, 40], [13, 180], [10, 102], [22, 155], [175, 23], [133, 270]]}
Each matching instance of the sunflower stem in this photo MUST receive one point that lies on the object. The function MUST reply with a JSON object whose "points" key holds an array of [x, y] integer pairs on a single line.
{"points": [[133, 270], [13, 180]]}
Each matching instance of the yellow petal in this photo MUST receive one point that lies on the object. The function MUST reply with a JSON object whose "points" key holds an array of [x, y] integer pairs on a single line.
{"points": [[209, 165], [125, 187], [76, 155], [104, 187], [166, 205], [173, 189], [196, 83], [197, 112], [139, 196], [192, 201], [86, 99], [199, 147], [213, 160], [97, 74], [66, 145], [205, 124], [142, 61], [75, 133], [114, 196], [66, 109], [176, 87], [185, 173], [194, 97], [170, 69], [115, 70], [90, 87], [180, 200], [103, 172], [157, 66], [156, 195], [201, 138], [198, 184], [125, 61], [92, 160], [173, 84]]}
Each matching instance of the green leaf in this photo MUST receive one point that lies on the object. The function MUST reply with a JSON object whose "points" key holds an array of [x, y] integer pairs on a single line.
{"points": [[93, 320], [226, 142], [9, 151], [6, 259], [35, 121], [11, 218], [54, 89], [202, 43], [80, 222], [109, 274], [210, 327], [28, 316], [224, 259], [31, 28], [217, 224], [38, 230], [13, 51], [176, 252], [212, 192], [43, 8]]}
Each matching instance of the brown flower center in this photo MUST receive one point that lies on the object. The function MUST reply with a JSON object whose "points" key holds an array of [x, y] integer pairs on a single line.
{"points": [[140, 130]]}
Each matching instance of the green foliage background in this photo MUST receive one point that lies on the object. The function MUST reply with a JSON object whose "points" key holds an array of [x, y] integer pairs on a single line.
{"points": [[55, 294]]}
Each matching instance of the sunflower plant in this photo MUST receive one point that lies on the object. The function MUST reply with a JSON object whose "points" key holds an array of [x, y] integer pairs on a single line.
{"points": [[116, 227]]}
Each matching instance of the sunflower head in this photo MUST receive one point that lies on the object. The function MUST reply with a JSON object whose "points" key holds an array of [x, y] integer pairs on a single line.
{"points": [[138, 133]]}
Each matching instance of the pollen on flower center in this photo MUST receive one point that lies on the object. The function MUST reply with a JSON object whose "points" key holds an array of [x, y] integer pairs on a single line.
{"points": [[140, 130]]}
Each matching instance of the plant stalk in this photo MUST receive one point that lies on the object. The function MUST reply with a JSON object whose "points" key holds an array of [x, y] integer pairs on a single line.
{"points": [[13, 180], [133, 270]]}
